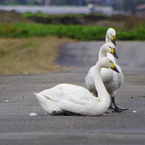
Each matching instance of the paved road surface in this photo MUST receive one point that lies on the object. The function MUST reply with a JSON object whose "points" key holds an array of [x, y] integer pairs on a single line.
{"points": [[82, 55], [17, 102]]}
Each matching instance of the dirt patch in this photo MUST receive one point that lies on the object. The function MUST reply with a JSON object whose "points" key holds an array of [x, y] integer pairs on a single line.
{"points": [[97, 20], [30, 55], [11, 17]]}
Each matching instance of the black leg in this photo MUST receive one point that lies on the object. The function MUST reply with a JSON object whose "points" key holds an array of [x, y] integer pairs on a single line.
{"points": [[111, 106], [117, 109]]}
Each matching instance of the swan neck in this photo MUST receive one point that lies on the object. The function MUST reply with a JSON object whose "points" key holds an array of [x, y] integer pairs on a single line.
{"points": [[98, 81], [107, 39], [100, 87], [102, 52]]}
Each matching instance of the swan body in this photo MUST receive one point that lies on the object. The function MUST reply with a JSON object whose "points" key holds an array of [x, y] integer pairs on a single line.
{"points": [[76, 99], [89, 79], [111, 80]]}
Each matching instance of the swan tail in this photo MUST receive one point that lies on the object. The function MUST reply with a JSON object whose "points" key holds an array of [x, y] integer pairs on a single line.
{"points": [[49, 105], [41, 98]]}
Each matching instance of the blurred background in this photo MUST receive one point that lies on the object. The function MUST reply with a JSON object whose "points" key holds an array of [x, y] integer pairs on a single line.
{"points": [[134, 7], [33, 31]]}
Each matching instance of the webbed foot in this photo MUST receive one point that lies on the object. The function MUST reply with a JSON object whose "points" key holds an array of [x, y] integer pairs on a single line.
{"points": [[119, 110]]}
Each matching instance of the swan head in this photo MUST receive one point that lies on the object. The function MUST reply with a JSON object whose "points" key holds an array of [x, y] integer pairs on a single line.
{"points": [[107, 63], [110, 48], [111, 36]]}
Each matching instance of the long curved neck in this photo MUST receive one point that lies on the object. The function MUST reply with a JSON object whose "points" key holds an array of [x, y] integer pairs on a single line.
{"points": [[107, 39], [103, 95], [102, 52], [100, 87]]}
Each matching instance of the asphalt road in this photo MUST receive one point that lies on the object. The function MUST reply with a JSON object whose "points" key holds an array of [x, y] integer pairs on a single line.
{"points": [[82, 55], [17, 102]]}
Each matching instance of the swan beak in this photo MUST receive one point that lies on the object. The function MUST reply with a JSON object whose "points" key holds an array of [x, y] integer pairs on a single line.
{"points": [[113, 38], [113, 52], [113, 67], [114, 42]]}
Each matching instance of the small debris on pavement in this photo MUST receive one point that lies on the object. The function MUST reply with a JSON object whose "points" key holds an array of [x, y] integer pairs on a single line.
{"points": [[32, 114]]}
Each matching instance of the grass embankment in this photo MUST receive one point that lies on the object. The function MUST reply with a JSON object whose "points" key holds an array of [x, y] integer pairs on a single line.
{"points": [[30, 55], [79, 32]]}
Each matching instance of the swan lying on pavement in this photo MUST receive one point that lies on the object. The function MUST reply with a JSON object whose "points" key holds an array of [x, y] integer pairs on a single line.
{"points": [[72, 99]]}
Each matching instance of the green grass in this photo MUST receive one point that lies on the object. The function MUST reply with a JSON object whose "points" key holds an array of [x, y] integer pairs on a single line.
{"points": [[79, 32], [136, 33], [29, 14]]}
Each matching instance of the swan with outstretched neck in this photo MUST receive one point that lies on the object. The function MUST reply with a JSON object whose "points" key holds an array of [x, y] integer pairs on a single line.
{"points": [[72, 99]]}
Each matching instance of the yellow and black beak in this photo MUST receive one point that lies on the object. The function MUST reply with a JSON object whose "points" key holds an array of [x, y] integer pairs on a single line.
{"points": [[113, 52], [113, 67], [113, 38]]}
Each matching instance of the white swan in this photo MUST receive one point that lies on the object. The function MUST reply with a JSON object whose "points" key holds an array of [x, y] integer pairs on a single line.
{"points": [[116, 83], [73, 99], [111, 36], [111, 79]]}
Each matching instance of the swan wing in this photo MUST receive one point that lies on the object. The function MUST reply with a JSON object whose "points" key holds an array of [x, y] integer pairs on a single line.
{"points": [[67, 97], [68, 92]]}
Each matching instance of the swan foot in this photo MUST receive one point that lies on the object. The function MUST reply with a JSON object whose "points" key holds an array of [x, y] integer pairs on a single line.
{"points": [[71, 113], [110, 108], [57, 113], [66, 113], [119, 110], [116, 109]]}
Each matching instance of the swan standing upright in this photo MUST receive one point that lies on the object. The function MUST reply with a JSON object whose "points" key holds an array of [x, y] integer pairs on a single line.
{"points": [[111, 37], [73, 99], [89, 80], [111, 79]]}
